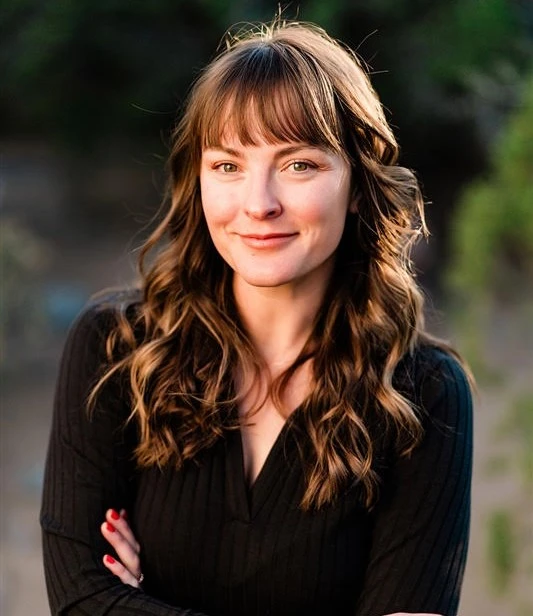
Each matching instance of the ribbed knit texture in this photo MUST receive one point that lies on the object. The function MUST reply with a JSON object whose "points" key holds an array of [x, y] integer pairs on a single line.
{"points": [[213, 545]]}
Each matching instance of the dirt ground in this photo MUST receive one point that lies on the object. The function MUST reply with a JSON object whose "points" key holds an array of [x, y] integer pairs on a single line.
{"points": [[26, 404]]}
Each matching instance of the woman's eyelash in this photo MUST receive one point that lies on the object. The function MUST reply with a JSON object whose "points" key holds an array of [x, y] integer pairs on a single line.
{"points": [[306, 164], [225, 167]]}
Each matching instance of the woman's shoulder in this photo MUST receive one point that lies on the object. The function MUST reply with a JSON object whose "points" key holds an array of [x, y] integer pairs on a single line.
{"points": [[113, 301], [102, 309], [430, 360], [99, 317], [432, 371]]}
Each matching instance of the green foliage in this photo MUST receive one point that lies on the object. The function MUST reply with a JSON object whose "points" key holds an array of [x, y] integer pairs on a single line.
{"points": [[81, 70], [323, 13], [493, 229], [492, 234], [501, 550], [519, 426], [509, 537], [490, 273], [467, 35], [81, 66]]}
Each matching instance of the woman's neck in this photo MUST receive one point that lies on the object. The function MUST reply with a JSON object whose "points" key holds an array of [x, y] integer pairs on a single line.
{"points": [[279, 320]]}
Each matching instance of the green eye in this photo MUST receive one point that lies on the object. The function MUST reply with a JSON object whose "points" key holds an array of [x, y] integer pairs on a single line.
{"points": [[300, 166], [229, 168]]}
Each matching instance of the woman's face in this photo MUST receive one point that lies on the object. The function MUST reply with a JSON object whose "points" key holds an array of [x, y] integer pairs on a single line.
{"points": [[275, 212]]}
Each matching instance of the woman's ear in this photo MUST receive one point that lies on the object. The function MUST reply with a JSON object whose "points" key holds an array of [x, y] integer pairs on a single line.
{"points": [[353, 206]]}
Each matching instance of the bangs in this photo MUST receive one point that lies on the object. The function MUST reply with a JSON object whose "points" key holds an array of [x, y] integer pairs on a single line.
{"points": [[268, 93]]}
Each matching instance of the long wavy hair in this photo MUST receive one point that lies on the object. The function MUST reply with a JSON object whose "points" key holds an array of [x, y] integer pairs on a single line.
{"points": [[180, 346]]}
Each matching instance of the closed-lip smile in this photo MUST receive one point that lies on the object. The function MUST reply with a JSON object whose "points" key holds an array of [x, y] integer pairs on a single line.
{"points": [[266, 241], [266, 236]]}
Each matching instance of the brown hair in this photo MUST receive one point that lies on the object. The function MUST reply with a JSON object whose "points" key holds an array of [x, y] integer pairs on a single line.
{"points": [[183, 343]]}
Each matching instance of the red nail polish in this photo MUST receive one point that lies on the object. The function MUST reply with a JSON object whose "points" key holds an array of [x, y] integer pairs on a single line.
{"points": [[124, 515], [110, 527], [110, 559], [115, 515]]}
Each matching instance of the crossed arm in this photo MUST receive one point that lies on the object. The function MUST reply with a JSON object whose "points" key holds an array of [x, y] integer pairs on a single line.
{"points": [[127, 568], [79, 489]]}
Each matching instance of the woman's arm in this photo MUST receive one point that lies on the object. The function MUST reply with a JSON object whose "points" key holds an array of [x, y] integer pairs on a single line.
{"points": [[420, 537], [88, 470], [127, 549]]}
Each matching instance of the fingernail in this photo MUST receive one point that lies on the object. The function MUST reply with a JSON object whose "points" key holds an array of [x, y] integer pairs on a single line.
{"points": [[124, 514], [110, 527], [115, 515], [110, 559]]}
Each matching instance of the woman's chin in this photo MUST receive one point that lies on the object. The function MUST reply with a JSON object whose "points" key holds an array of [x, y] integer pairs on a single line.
{"points": [[263, 279], [266, 282]]}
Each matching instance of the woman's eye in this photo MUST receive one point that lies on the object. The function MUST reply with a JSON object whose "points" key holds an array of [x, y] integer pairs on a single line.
{"points": [[228, 167], [300, 166]]}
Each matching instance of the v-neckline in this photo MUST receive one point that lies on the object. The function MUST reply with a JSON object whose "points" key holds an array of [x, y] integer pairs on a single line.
{"points": [[249, 498]]}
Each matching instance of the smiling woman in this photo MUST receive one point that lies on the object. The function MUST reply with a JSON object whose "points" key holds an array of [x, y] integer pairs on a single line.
{"points": [[276, 212], [265, 427]]}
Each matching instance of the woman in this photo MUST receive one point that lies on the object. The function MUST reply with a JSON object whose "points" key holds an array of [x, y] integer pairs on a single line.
{"points": [[284, 436]]}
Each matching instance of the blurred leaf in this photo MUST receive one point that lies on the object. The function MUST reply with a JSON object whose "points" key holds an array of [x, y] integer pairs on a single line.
{"points": [[501, 551], [520, 425]]}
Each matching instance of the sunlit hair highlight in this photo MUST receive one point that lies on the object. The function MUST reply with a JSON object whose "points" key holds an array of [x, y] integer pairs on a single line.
{"points": [[181, 345]]}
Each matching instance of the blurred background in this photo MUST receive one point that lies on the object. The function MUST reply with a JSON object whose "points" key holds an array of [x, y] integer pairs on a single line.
{"points": [[90, 90]]}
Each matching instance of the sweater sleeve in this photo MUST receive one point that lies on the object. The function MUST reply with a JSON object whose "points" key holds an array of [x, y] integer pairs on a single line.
{"points": [[420, 536], [88, 470]]}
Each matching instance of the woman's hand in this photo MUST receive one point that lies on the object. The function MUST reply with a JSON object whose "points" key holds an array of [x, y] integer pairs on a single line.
{"points": [[117, 531]]}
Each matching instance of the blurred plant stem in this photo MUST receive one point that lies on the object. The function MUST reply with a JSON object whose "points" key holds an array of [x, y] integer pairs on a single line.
{"points": [[501, 550]]}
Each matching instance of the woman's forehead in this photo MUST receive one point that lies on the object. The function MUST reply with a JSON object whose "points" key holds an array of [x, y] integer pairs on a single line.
{"points": [[252, 123]]}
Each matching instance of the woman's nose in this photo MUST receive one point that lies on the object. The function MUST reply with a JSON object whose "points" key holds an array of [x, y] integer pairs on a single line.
{"points": [[261, 200]]}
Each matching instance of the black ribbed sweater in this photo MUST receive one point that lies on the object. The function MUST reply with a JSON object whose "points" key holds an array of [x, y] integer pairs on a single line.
{"points": [[213, 545]]}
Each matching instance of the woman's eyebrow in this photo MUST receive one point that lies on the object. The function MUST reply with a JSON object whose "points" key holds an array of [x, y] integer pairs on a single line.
{"points": [[294, 149], [226, 150]]}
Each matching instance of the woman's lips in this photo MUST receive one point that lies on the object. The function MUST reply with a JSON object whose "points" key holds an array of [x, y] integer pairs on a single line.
{"points": [[267, 240]]}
